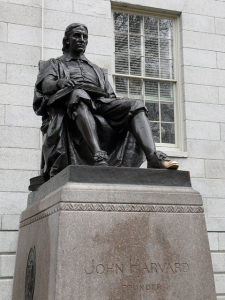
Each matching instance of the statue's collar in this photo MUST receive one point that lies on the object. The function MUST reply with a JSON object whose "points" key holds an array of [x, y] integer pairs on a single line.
{"points": [[68, 57]]}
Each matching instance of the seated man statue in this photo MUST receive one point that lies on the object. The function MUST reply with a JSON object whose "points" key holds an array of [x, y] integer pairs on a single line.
{"points": [[83, 121]]}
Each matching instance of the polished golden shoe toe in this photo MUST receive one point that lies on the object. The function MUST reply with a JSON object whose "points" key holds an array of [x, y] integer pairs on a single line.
{"points": [[168, 164]]}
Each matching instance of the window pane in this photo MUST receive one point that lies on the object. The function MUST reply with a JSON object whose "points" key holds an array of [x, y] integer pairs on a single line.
{"points": [[166, 91], [153, 111], [121, 86], [151, 26], [152, 67], [166, 68], [166, 48], [151, 90], [135, 45], [135, 65], [151, 47], [166, 28], [121, 64], [135, 88], [121, 43], [121, 22], [144, 47], [135, 24], [168, 133], [155, 132], [167, 112]]}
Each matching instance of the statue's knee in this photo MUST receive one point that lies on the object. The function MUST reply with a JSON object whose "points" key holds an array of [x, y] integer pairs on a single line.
{"points": [[82, 109], [73, 94], [77, 109], [139, 103], [140, 107]]}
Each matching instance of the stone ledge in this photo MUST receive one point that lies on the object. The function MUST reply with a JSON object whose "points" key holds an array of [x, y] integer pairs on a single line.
{"points": [[104, 207], [112, 175], [85, 186], [114, 194]]}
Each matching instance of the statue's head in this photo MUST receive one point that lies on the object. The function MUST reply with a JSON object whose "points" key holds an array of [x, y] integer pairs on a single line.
{"points": [[76, 38]]}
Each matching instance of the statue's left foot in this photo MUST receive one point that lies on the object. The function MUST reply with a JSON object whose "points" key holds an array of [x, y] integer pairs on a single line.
{"points": [[168, 164], [101, 159]]}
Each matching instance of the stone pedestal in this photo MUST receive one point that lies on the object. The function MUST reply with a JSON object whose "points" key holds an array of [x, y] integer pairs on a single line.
{"points": [[82, 238]]}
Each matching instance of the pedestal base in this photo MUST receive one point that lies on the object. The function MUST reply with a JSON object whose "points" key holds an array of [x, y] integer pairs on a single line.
{"points": [[93, 241]]}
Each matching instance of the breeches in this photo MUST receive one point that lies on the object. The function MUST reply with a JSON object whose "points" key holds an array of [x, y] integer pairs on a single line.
{"points": [[117, 112]]}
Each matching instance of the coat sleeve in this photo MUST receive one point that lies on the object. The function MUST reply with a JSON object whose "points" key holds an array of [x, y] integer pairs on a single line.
{"points": [[49, 85], [46, 69]]}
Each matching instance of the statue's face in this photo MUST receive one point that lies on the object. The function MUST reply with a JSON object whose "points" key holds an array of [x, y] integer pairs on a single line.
{"points": [[78, 40]]}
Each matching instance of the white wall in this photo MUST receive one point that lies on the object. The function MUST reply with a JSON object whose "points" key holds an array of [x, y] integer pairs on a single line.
{"points": [[23, 43], [19, 130]]}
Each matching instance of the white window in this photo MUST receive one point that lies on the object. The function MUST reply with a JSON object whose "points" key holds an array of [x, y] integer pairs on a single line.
{"points": [[145, 68]]}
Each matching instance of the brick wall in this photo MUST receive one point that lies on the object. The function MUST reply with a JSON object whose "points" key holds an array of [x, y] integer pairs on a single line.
{"points": [[23, 43], [20, 51], [203, 38]]}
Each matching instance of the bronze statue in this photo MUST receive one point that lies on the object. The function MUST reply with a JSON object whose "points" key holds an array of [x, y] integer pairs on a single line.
{"points": [[83, 121]]}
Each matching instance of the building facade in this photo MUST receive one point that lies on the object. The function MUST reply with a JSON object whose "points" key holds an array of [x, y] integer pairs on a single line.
{"points": [[170, 54]]}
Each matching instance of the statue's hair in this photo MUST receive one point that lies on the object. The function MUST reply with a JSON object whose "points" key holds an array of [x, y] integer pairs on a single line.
{"points": [[68, 31]]}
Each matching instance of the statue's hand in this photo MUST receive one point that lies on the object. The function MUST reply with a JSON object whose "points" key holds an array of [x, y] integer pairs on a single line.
{"points": [[62, 83]]}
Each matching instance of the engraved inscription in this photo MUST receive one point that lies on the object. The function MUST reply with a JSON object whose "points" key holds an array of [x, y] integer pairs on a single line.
{"points": [[144, 287], [104, 268], [136, 267]]}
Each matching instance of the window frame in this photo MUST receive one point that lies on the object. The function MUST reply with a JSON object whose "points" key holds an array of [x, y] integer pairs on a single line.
{"points": [[177, 149]]}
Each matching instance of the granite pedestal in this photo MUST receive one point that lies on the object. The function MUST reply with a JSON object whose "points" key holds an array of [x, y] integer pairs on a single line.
{"points": [[95, 233]]}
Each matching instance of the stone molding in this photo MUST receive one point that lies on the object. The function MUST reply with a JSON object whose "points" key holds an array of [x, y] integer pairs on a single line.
{"points": [[112, 208]]}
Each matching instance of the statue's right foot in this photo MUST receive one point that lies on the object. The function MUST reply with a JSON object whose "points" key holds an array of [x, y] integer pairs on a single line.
{"points": [[168, 164], [101, 159], [160, 160]]}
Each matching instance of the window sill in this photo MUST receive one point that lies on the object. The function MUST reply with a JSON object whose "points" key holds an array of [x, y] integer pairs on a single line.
{"points": [[173, 152]]}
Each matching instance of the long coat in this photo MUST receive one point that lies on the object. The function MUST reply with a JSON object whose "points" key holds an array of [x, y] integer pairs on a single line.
{"points": [[63, 144]]}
